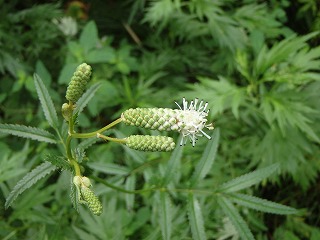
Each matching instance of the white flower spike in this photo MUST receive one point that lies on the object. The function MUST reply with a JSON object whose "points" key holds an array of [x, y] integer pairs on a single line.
{"points": [[189, 120], [193, 120]]}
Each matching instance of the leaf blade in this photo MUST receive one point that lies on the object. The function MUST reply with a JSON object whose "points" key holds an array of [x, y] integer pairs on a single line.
{"points": [[172, 165], [86, 97], [29, 180], [46, 102], [165, 215], [28, 132], [195, 219], [248, 179], [235, 218], [260, 204], [207, 159]]}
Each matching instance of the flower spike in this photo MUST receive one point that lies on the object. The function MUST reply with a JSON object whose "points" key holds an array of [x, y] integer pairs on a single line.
{"points": [[189, 119]]}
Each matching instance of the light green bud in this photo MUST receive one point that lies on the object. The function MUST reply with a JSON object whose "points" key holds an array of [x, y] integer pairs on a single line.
{"points": [[78, 82], [91, 200], [66, 111], [150, 143]]}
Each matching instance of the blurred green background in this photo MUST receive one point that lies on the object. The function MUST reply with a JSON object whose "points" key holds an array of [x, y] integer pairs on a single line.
{"points": [[257, 63]]}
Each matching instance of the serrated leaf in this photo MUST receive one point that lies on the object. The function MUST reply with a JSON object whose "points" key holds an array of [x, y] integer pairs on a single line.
{"points": [[28, 132], [260, 204], [87, 143], [59, 161], [86, 97], [165, 215], [172, 165], [46, 102], [235, 218], [29, 180], [196, 219], [73, 194], [207, 159], [248, 179]]}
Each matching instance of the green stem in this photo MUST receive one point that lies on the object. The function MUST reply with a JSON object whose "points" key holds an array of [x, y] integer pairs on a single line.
{"points": [[118, 140], [72, 161], [94, 134], [162, 189]]}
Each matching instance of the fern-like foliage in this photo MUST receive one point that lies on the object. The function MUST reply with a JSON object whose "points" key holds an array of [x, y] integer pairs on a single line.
{"points": [[29, 180], [28, 132]]}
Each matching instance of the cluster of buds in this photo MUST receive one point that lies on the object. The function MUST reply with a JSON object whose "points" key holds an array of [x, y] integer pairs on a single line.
{"points": [[86, 195]]}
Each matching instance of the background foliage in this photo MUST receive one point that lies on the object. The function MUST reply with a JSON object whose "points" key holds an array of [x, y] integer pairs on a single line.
{"points": [[256, 63]]}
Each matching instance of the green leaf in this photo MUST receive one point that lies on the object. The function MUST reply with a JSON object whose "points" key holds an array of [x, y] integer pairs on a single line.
{"points": [[46, 102], [29, 180], [172, 165], [59, 161], [195, 219], [165, 215], [235, 218], [73, 194], [261, 204], [86, 97], [89, 36], [248, 179], [130, 185], [28, 132], [87, 143], [207, 159]]}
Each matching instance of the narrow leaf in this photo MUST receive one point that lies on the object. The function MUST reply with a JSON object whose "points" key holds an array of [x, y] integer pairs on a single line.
{"points": [[261, 204], [235, 218], [29, 180], [59, 161], [172, 165], [28, 132], [130, 185], [196, 219], [87, 143], [207, 159], [86, 97], [165, 215], [248, 180], [46, 102]]}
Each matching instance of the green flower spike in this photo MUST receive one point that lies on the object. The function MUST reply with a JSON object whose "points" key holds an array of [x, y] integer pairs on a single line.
{"points": [[78, 82], [86, 195], [189, 120], [150, 143]]}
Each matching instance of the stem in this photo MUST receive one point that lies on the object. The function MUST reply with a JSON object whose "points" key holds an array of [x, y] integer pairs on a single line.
{"points": [[94, 134], [162, 189], [118, 140], [72, 161]]}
